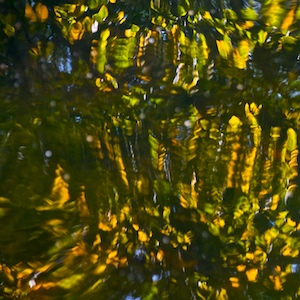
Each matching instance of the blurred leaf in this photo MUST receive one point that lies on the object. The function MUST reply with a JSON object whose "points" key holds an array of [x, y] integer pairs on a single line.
{"points": [[94, 4], [30, 14], [101, 15], [224, 46], [42, 12], [9, 30], [249, 14], [252, 274], [262, 36], [69, 283]]}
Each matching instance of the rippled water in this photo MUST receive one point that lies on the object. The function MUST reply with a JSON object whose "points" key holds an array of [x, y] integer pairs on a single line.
{"points": [[171, 175]]}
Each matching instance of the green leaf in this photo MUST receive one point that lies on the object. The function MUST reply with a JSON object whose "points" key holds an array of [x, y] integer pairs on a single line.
{"points": [[262, 35], [9, 30], [70, 282], [102, 14], [231, 15], [94, 4], [131, 100], [181, 11], [249, 14], [288, 40]]}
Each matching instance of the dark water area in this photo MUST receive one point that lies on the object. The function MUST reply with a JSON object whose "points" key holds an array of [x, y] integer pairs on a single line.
{"points": [[151, 166]]}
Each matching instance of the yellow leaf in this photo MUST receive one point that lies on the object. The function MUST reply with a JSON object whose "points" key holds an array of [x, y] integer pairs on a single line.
{"points": [[291, 140], [290, 222], [142, 236], [160, 255], [276, 279], [105, 34], [76, 32], [24, 273], [235, 122], [180, 238], [135, 227], [29, 13], [83, 209], [262, 36], [103, 226], [112, 80], [184, 202], [46, 285], [112, 254], [239, 61], [234, 282], [120, 17], [288, 251], [60, 190], [97, 240], [244, 47], [123, 262], [206, 15], [289, 18], [100, 269], [98, 82], [241, 268], [250, 256], [277, 283], [224, 46], [113, 221], [270, 235], [94, 258], [70, 282], [252, 274], [42, 12]]}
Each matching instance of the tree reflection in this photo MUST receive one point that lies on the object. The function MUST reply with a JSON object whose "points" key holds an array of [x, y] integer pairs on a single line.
{"points": [[149, 150]]}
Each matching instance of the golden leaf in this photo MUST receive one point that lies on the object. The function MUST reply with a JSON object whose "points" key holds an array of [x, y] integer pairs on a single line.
{"points": [[94, 258], [277, 282], [112, 254], [289, 18], [8, 274], [24, 273], [224, 46], [241, 268], [234, 282], [142, 236], [97, 240], [288, 251], [103, 226], [135, 226], [42, 12], [83, 209], [76, 32], [235, 122], [123, 262], [113, 221], [100, 269], [29, 13], [60, 190], [184, 202], [239, 61], [160, 255], [252, 274]]}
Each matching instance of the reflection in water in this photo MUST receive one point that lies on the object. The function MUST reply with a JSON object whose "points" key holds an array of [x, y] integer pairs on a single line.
{"points": [[188, 207], [157, 164]]}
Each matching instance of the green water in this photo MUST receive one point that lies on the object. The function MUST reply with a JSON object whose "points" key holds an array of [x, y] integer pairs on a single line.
{"points": [[173, 174]]}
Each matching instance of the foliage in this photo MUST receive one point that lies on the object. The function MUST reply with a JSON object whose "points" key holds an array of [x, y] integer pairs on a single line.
{"points": [[149, 149]]}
